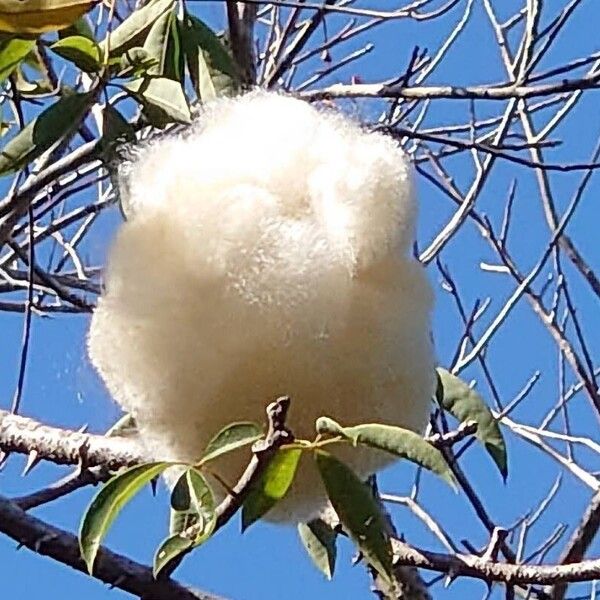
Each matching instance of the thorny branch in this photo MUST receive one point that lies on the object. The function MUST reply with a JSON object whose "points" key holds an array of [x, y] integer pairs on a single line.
{"points": [[111, 568], [26, 436]]}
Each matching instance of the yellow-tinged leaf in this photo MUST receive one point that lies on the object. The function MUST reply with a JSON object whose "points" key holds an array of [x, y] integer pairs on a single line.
{"points": [[81, 51], [12, 52], [272, 485], [39, 16]]}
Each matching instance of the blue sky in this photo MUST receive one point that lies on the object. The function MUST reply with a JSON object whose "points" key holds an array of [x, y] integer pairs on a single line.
{"points": [[268, 562]]}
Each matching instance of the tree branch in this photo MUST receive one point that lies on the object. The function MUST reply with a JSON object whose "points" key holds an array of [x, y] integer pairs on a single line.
{"points": [[241, 18], [262, 452], [580, 540], [110, 567], [474, 566], [66, 447], [452, 92]]}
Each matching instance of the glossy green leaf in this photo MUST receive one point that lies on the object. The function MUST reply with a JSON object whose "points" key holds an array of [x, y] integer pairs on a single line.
{"points": [[192, 492], [358, 511], [230, 438], [212, 69], [51, 125], [169, 550], [132, 31], [319, 540], [81, 51], [108, 503], [466, 404], [182, 516], [193, 518], [174, 67], [193, 498], [12, 52], [162, 100], [395, 440], [272, 485], [180, 520]]}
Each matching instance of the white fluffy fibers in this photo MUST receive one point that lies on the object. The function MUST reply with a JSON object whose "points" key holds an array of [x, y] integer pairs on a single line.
{"points": [[267, 253]]}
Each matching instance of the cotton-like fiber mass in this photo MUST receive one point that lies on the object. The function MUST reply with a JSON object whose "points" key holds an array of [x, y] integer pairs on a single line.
{"points": [[267, 253]]}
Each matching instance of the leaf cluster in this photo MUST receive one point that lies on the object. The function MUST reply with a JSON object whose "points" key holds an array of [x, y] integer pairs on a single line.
{"points": [[194, 511], [160, 58]]}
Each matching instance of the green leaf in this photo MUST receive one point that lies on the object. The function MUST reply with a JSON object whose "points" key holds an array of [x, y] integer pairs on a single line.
{"points": [[272, 486], [12, 52], [395, 440], [4, 126], [133, 30], [108, 503], [455, 396], [358, 511], [81, 51], [174, 61], [51, 125], [191, 492], [32, 76], [319, 540], [115, 128], [41, 86], [193, 518], [192, 495], [170, 549], [212, 69], [79, 27], [180, 520], [157, 42], [230, 438], [162, 100], [134, 62]]}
